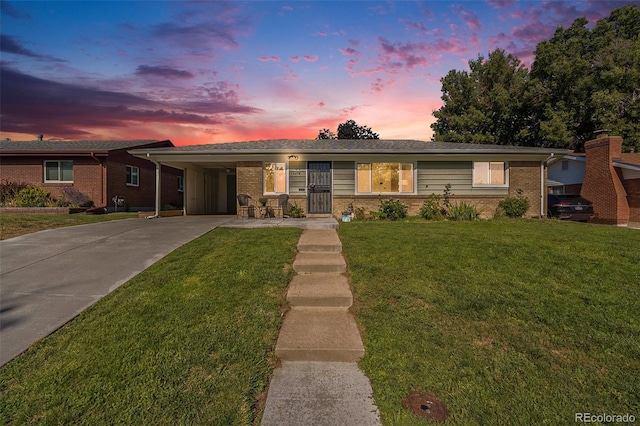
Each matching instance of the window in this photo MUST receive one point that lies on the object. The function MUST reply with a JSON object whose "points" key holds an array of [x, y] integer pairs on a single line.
{"points": [[565, 165], [58, 171], [133, 176], [180, 183], [385, 177], [275, 178], [487, 173]]}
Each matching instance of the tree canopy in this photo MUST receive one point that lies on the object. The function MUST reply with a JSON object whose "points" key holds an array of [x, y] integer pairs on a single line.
{"points": [[348, 130], [581, 80]]}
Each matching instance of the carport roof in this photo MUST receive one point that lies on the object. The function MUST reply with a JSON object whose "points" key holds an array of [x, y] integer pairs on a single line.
{"points": [[346, 146]]}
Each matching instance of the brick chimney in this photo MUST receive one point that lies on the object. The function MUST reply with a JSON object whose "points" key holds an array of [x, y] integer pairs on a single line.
{"points": [[603, 183]]}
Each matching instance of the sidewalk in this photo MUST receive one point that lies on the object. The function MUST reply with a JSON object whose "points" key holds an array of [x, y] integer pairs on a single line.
{"points": [[319, 382]]}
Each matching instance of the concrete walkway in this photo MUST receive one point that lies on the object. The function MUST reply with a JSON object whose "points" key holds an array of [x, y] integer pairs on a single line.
{"points": [[49, 277], [319, 382]]}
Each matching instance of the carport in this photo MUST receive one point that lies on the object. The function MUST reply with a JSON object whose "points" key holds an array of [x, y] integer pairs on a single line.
{"points": [[209, 186]]}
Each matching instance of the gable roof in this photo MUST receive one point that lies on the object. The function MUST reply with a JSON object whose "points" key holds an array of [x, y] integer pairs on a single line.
{"points": [[77, 147], [348, 146]]}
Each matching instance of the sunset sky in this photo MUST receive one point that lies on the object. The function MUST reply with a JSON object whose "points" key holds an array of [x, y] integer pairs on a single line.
{"points": [[208, 72]]}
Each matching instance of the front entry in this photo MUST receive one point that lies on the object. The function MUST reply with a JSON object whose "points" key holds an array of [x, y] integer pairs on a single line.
{"points": [[319, 187]]}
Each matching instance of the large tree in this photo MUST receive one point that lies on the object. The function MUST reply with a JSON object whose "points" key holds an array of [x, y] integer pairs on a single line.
{"points": [[348, 130], [581, 80], [487, 105], [590, 80]]}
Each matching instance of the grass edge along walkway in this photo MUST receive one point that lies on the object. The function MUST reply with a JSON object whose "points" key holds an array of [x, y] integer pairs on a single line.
{"points": [[188, 341], [506, 322]]}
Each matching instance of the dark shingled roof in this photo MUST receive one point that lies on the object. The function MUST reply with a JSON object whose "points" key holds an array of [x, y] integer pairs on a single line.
{"points": [[77, 146], [350, 146]]}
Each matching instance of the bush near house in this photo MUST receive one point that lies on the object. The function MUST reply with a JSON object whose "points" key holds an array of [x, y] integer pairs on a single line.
{"points": [[391, 209], [18, 194], [514, 206]]}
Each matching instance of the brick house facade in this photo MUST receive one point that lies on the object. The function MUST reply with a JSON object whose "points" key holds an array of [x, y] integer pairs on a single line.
{"points": [[612, 181], [407, 170], [99, 171]]}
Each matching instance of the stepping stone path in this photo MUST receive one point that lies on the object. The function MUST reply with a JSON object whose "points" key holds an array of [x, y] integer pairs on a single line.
{"points": [[319, 382]]}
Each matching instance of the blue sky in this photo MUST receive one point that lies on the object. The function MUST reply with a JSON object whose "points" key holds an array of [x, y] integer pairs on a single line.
{"points": [[207, 72]]}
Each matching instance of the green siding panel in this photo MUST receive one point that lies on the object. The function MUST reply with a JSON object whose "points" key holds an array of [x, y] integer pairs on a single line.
{"points": [[434, 175], [297, 177], [344, 177]]}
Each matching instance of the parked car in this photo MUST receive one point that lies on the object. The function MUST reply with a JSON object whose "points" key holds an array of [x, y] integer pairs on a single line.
{"points": [[571, 207]]}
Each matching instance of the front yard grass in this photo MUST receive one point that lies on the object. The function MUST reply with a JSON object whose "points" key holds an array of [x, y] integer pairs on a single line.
{"points": [[188, 341], [14, 224], [507, 322]]}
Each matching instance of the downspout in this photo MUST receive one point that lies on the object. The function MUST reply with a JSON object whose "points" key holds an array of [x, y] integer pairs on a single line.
{"points": [[103, 201], [543, 188], [158, 180]]}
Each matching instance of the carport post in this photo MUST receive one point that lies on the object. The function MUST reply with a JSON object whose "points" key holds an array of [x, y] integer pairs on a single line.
{"points": [[158, 186]]}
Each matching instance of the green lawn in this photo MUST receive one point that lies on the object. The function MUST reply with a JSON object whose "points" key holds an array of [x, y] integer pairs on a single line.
{"points": [[14, 225], [188, 341], [508, 322]]}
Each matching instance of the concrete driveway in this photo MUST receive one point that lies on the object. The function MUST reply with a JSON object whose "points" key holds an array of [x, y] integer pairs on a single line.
{"points": [[49, 277]]}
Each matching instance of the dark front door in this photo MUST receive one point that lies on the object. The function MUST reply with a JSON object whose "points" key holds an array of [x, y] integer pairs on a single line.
{"points": [[319, 187]]}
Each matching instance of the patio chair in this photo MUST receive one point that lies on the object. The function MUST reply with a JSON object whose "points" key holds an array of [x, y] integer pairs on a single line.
{"points": [[245, 208], [283, 205]]}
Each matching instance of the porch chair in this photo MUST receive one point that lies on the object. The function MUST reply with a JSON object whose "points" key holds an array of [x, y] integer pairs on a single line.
{"points": [[283, 205], [245, 208]]}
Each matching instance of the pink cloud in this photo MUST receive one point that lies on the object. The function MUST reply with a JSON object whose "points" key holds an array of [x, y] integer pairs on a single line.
{"points": [[310, 58], [500, 4], [294, 58], [379, 84], [349, 51], [321, 104], [321, 33], [291, 76], [469, 17], [269, 59]]}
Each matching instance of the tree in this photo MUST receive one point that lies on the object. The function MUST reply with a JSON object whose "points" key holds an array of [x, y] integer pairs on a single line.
{"points": [[591, 79], [581, 80], [487, 105], [326, 134], [348, 130]]}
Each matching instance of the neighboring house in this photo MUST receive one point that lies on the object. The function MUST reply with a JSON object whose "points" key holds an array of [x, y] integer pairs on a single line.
{"points": [[565, 175], [98, 170], [612, 181], [325, 176]]}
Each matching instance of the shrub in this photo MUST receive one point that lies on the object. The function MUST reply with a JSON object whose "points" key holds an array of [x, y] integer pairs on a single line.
{"points": [[392, 210], [32, 196], [75, 198], [8, 190], [515, 206], [463, 211], [431, 209], [359, 213], [296, 211]]}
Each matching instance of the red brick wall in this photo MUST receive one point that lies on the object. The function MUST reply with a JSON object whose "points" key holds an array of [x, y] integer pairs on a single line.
{"points": [[632, 186], [143, 195], [86, 174], [602, 184]]}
